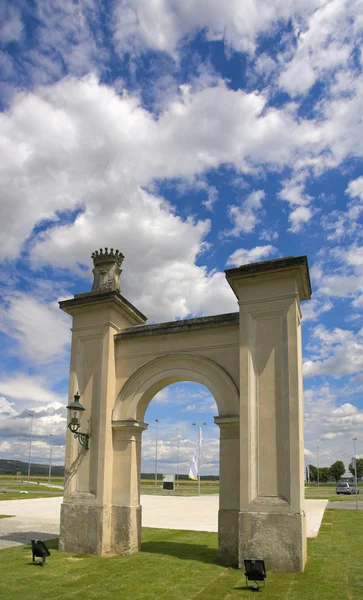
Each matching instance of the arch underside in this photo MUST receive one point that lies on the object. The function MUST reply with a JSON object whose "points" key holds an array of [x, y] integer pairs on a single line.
{"points": [[164, 370]]}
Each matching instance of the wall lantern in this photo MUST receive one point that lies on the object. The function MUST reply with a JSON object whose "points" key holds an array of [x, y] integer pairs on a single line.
{"points": [[76, 409]]}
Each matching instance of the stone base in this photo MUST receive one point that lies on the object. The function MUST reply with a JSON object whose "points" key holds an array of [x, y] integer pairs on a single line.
{"points": [[126, 529], [85, 528], [228, 531], [280, 539], [91, 529]]}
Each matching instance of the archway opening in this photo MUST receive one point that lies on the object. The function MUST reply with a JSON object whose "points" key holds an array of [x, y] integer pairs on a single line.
{"points": [[180, 459]]}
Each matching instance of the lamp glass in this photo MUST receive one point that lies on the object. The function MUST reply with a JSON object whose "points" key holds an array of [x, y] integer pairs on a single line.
{"points": [[76, 410]]}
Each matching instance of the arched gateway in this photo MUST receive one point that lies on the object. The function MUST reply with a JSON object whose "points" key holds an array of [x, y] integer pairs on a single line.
{"points": [[251, 363]]}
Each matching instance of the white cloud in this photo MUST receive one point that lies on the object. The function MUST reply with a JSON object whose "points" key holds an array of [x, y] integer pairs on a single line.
{"points": [[162, 24], [246, 216], [293, 192], [355, 191], [67, 39], [243, 256], [330, 436], [212, 198], [39, 328], [299, 217], [324, 46], [28, 388], [162, 397], [175, 452], [330, 423], [345, 410], [78, 145], [314, 308], [18, 449], [355, 188], [342, 281], [6, 407], [48, 426], [11, 26], [336, 352]]}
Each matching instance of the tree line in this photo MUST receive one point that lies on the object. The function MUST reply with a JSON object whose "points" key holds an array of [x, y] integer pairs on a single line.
{"points": [[335, 471]]}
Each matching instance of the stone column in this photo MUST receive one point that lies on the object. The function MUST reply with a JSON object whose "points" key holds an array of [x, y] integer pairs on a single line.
{"points": [[229, 489], [126, 509], [86, 514], [272, 512]]}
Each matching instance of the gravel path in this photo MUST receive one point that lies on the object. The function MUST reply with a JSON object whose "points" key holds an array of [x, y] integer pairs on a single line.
{"points": [[39, 518]]}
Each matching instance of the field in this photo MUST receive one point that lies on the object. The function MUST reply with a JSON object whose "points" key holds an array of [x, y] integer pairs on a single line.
{"points": [[18, 489], [190, 488], [327, 492], [183, 565], [12, 489], [183, 488]]}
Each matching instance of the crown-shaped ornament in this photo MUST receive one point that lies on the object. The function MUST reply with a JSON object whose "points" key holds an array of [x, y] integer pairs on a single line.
{"points": [[103, 256], [107, 270]]}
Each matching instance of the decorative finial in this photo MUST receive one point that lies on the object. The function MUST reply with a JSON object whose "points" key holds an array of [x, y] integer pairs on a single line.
{"points": [[107, 270]]}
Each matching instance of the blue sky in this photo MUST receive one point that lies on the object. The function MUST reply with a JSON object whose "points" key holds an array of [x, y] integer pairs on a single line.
{"points": [[194, 136]]}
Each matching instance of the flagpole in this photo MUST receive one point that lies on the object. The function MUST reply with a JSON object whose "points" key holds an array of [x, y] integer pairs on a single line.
{"points": [[198, 459]]}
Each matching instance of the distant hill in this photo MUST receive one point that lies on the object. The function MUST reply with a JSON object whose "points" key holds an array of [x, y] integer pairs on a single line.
{"points": [[8, 467]]}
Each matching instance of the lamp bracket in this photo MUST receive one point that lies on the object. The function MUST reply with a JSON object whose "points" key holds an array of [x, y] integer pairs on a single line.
{"points": [[83, 439]]}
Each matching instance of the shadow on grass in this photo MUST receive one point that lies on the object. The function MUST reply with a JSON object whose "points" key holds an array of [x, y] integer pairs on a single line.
{"points": [[51, 544], [200, 553], [245, 588], [25, 537]]}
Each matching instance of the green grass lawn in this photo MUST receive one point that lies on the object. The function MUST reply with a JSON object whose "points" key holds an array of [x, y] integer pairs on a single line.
{"points": [[182, 565], [5, 516]]}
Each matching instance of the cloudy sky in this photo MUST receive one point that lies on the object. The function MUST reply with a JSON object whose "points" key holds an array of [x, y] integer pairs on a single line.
{"points": [[194, 136]]}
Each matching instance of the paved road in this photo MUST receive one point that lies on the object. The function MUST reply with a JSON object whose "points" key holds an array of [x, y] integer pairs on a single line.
{"points": [[39, 517], [34, 518], [345, 505]]}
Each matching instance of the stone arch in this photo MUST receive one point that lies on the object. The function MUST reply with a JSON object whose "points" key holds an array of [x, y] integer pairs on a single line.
{"points": [[251, 363], [149, 379]]}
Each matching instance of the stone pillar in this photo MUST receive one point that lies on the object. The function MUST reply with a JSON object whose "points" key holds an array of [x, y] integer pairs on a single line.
{"points": [[229, 489], [126, 509], [86, 513], [272, 512]]}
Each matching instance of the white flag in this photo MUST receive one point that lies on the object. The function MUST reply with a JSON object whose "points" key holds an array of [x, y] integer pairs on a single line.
{"points": [[193, 470]]}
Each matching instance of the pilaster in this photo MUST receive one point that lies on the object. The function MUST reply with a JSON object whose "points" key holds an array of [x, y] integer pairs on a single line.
{"points": [[229, 489], [86, 514], [271, 411], [126, 509]]}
